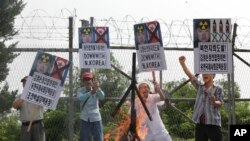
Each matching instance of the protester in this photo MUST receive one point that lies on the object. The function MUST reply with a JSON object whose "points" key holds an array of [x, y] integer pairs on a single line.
{"points": [[150, 130], [207, 106], [89, 95], [30, 112]]}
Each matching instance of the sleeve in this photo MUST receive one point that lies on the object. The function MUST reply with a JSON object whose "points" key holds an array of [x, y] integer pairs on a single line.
{"points": [[100, 94], [82, 95], [196, 83], [156, 98], [219, 94]]}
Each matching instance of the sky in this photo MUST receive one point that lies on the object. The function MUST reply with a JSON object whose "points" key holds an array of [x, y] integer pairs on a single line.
{"points": [[138, 9], [166, 9]]}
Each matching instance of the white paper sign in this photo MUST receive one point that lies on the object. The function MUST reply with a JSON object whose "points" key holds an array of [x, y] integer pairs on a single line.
{"points": [[151, 57], [94, 55], [213, 57], [42, 90], [212, 46]]}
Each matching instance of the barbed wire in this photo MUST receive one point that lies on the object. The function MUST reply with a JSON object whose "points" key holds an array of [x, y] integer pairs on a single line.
{"points": [[39, 25]]}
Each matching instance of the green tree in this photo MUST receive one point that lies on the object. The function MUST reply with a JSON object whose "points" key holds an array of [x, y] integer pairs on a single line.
{"points": [[242, 112], [113, 83], [177, 124], [224, 84], [56, 125], [9, 9], [9, 128], [6, 99]]}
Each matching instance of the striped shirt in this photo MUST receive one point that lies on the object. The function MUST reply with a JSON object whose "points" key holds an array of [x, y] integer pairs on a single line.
{"points": [[204, 106]]}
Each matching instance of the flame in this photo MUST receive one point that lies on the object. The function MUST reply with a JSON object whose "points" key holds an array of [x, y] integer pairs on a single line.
{"points": [[120, 131], [141, 125], [107, 136]]}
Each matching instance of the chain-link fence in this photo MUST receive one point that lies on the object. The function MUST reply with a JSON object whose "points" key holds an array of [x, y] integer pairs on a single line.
{"points": [[176, 117]]}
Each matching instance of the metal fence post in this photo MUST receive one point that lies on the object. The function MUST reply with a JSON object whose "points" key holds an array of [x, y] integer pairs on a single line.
{"points": [[71, 100]]}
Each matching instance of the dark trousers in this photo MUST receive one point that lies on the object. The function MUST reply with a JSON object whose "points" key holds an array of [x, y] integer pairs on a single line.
{"points": [[37, 132], [204, 132]]}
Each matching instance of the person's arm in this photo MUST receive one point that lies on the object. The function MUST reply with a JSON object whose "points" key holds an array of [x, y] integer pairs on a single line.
{"points": [[17, 104], [217, 98], [161, 94], [97, 90], [159, 91], [182, 60], [82, 95], [100, 94], [215, 102]]}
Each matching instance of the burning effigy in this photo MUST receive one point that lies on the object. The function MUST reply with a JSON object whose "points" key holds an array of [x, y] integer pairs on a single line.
{"points": [[120, 132], [123, 131]]}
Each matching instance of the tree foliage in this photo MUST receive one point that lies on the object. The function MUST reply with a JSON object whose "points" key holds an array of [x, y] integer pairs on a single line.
{"points": [[6, 99], [9, 9], [9, 128], [176, 123]]}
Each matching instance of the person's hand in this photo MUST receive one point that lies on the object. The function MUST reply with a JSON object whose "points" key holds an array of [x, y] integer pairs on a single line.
{"points": [[157, 87], [96, 86], [17, 104], [212, 99], [182, 59], [215, 102]]}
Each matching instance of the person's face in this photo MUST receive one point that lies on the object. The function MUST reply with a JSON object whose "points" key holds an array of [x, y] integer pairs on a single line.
{"points": [[87, 38], [88, 84], [42, 67], [141, 37], [208, 77], [144, 90], [203, 35]]}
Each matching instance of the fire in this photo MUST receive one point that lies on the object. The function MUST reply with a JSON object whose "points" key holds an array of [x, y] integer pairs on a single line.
{"points": [[141, 125], [107, 136], [120, 132]]}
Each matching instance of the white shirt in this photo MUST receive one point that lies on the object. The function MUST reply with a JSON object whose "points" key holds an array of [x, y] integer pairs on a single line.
{"points": [[156, 125], [28, 108]]}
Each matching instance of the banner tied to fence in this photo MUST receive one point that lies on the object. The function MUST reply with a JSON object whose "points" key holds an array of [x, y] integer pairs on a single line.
{"points": [[212, 46], [46, 79], [149, 46], [94, 49]]}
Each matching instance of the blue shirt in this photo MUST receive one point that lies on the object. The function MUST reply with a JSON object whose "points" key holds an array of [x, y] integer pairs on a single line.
{"points": [[90, 111]]}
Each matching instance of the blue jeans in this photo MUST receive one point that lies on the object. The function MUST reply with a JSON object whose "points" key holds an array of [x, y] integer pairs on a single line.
{"points": [[91, 130]]}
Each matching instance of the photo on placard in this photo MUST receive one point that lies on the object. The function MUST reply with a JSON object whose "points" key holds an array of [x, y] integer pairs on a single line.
{"points": [[85, 35], [43, 64], [201, 31]]}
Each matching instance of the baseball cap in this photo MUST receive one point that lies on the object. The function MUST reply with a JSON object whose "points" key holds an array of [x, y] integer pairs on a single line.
{"points": [[24, 79], [87, 75]]}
